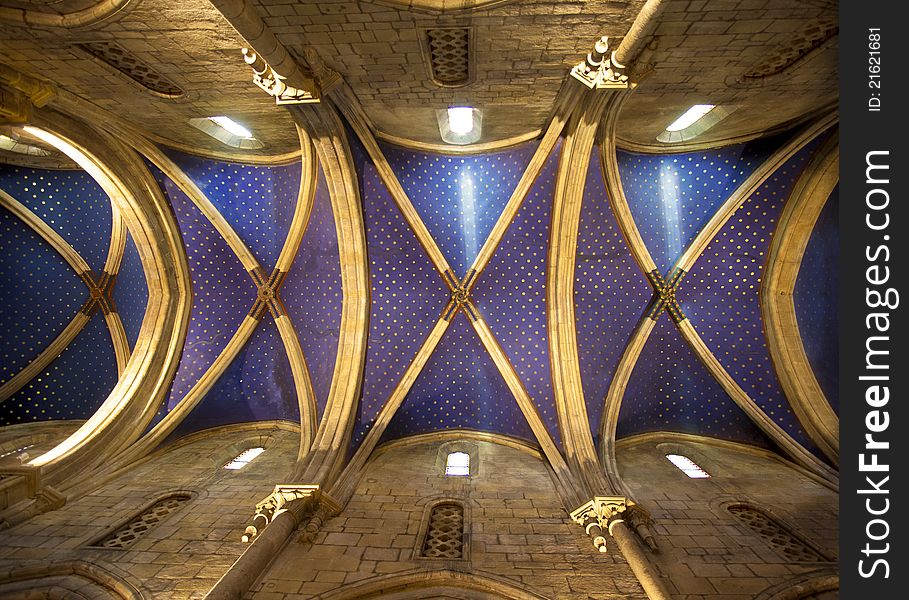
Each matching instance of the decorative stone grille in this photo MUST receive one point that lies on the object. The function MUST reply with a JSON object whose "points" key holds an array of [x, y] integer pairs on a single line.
{"points": [[449, 55], [776, 536], [798, 46], [125, 62], [445, 535], [127, 534]]}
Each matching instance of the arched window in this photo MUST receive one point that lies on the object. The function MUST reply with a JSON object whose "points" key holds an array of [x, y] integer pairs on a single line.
{"points": [[244, 458], [129, 532], [687, 466], [775, 534], [458, 464]]}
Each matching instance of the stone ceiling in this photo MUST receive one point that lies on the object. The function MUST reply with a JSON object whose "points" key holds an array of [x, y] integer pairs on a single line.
{"points": [[519, 53]]}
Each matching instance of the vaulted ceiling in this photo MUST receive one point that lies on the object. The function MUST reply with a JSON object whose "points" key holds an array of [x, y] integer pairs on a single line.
{"points": [[461, 301]]}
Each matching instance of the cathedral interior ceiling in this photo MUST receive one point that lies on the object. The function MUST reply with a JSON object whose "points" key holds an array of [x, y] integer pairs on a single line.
{"points": [[774, 62]]}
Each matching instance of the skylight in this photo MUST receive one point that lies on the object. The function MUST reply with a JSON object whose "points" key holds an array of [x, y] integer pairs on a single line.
{"points": [[244, 458], [692, 115], [227, 131], [687, 466], [693, 122], [458, 464], [233, 127], [13, 145]]}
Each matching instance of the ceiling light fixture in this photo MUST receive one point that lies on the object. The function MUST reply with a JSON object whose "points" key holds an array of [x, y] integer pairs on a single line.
{"points": [[692, 115], [460, 125], [460, 119], [233, 127]]}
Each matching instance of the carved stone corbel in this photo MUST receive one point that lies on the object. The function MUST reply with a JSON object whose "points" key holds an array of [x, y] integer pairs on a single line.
{"points": [[602, 71], [603, 513], [598, 516], [275, 503], [273, 83], [325, 508], [641, 523], [44, 500]]}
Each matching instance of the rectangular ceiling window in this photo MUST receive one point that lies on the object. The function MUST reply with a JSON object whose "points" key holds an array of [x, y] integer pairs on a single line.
{"points": [[244, 458], [687, 466]]}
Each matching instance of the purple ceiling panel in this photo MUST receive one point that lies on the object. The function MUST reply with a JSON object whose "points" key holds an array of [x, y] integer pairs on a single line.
{"points": [[511, 294], [407, 294], [258, 386], [223, 292], [611, 293], [312, 293], [73, 386], [131, 292], [40, 293], [672, 196], [817, 299], [670, 390], [721, 294], [258, 202], [459, 388], [459, 198], [70, 202]]}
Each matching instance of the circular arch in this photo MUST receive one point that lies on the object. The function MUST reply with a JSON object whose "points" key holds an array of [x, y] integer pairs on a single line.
{"points": [[421, 584], [74, 579], [809, 585], [135, 398]]}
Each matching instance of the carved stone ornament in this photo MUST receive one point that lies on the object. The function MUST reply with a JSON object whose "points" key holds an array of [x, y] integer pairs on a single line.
{"points": [[600, 70], [266, 78], [274, 504], [460, 296], [664, 297], [599, 515]]}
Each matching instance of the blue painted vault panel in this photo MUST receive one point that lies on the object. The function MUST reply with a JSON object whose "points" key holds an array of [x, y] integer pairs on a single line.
{"points": [[459, 198], [312, 293]]}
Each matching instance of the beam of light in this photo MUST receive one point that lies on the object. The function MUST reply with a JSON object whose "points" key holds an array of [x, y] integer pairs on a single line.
{"points": [[468, 199], [669, 205], [233, 127], [460, 119], [691, 116]]}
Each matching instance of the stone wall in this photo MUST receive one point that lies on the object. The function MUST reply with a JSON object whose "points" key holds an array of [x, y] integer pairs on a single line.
{"points": [[705, 551], [183, 555], [518, 543], [517, 532]]}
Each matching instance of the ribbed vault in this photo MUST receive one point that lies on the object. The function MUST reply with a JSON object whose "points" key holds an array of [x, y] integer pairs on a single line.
{"points": [[562, 291]]}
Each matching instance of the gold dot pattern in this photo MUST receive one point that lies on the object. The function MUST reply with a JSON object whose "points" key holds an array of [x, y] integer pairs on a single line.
{"points": [[721, 295], [41, 294]]}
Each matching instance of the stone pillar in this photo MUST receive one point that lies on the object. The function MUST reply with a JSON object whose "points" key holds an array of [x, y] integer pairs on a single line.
{"points": [[277, 517], [607, 514]]}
